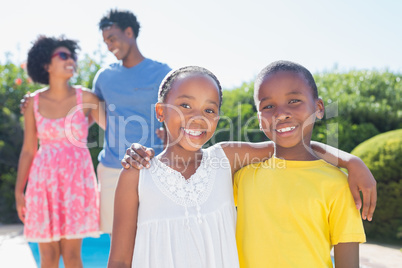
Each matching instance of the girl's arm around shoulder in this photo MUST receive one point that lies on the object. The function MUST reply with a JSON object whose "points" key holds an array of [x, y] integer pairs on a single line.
{"points": [[28, 97], [94, 107], [241, 154], [125, 219], [346, 255]]}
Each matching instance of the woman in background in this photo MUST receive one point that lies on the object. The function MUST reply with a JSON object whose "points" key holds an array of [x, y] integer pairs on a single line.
{"points": [[61, 202]]}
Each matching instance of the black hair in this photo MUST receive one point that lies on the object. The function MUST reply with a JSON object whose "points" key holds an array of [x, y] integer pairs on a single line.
{"points": [[287, 66], [121, 19], [41, 53], [171, 77]]}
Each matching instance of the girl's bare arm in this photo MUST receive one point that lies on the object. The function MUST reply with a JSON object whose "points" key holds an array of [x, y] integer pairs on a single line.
{"points": [[241, 154], [125, 219], [28, 151]]}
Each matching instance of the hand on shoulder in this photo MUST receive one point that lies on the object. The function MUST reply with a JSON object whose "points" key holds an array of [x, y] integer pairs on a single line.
{"points": [[29, 98]]}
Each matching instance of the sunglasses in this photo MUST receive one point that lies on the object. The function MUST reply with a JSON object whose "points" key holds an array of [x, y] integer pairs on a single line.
{"points": [[65, 56], [105, 24]]}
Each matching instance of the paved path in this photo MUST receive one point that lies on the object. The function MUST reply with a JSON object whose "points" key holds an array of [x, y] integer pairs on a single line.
{"points": [[380, 256], [15, 252]]}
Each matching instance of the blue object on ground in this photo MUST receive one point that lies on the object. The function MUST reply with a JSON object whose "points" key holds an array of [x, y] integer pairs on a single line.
{"points": [[95, 252]]}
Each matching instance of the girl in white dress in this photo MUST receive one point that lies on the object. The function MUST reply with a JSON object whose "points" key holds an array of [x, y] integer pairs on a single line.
{"points": [[180, 212]]}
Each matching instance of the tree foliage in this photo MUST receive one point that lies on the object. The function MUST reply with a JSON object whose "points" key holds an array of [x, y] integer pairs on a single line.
{"points": [[383, 155], [13, 81], [360, 105]]}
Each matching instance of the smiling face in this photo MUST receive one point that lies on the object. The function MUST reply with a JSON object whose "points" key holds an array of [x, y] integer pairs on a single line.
{"points": [[59, 67], [287, 112], [190, 111], [118, 41]]}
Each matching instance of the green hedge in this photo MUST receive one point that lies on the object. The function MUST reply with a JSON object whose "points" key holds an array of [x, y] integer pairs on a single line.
{"points": [[383, 155]]}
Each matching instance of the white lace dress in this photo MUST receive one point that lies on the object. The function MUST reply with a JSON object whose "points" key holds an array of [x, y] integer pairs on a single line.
{"points": [[187, 223]]}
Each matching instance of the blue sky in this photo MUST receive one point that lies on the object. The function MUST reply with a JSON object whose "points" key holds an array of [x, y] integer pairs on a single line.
{"points": [[232, 38]]}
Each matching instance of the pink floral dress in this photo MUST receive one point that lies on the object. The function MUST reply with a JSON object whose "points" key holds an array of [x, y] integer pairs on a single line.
{"points": [[62, 199]]}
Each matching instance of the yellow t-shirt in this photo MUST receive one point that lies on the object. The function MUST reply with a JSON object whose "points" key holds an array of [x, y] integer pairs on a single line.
{"points": [[291, 213]]}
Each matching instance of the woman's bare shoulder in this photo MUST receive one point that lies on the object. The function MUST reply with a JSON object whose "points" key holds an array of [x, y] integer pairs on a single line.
{"points": [[89, 96]]}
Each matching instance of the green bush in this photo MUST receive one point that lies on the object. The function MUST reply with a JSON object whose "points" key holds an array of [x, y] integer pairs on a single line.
{"points": [[11, 135], [361, 104], [14, 83], [383, 155]]}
